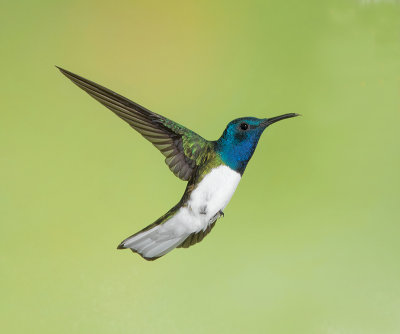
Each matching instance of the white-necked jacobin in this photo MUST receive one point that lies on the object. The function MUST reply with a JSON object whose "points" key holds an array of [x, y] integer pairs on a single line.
{"points": [[213, 169]]}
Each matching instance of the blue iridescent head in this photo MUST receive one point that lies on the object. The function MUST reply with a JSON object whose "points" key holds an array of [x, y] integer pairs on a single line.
{"points": [[239, 140]]}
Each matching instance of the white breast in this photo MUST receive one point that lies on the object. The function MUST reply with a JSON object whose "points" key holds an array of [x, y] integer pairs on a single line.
{"points": [[214, 192], [211, 195]]}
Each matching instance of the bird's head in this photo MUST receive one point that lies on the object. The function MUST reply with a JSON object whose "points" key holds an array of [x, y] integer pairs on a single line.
{"points": [[239, 140]]}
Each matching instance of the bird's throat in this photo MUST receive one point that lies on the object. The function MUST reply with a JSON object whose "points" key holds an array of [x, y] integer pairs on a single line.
{"points": [[236, 154]]}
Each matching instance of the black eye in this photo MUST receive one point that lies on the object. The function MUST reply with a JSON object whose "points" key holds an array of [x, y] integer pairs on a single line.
{"points": [[244, 126]]}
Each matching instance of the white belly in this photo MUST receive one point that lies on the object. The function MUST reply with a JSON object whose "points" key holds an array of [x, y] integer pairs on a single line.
{"points": [[211, 195]]}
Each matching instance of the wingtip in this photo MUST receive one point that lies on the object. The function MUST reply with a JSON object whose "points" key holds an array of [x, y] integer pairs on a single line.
{"points": [[65, 72], [61, 69]]}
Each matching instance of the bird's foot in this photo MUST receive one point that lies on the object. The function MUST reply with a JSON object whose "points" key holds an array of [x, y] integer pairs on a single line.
{"points": [[217, 215]]}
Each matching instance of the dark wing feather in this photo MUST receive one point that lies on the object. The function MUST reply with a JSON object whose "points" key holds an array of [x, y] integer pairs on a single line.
{"points": [[183, 149], [196, 237]]}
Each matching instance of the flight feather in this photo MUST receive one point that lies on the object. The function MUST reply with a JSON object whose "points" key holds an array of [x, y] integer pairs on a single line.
{"points": [[183, 149]]}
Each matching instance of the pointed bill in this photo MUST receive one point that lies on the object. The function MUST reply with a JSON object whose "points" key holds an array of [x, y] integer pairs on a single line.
{"points": [[269, 121]]}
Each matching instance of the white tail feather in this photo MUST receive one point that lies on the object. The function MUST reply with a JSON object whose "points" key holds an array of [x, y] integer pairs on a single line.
{"points": [[152, 243]]}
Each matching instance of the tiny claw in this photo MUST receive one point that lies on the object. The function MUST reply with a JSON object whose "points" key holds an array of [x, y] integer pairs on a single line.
{"points": [[221, 213]]}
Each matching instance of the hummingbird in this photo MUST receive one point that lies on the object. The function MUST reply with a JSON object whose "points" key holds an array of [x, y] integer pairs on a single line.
{"points": [[212, 169]]}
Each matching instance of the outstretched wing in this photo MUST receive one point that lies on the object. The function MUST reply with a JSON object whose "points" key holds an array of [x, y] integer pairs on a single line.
{"points": [[183, 149]]}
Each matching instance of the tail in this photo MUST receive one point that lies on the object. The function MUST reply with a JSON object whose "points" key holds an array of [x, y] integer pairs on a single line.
{"points": [[156, 239], [150, 243], [172, 230]]}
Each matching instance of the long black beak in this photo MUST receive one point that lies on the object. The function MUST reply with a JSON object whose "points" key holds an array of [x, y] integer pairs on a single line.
{"points": [[269, 121]]}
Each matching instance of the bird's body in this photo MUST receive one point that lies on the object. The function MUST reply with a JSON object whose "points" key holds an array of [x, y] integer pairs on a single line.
{"points": [[213, 169], [188, 222]]}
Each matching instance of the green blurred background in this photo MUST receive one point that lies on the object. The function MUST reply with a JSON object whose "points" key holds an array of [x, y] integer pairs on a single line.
{"points": [[310, 241]]}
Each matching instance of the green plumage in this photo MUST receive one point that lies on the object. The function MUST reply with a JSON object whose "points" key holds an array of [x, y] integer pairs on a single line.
{"points": [[189, 156], [183, 149]]}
